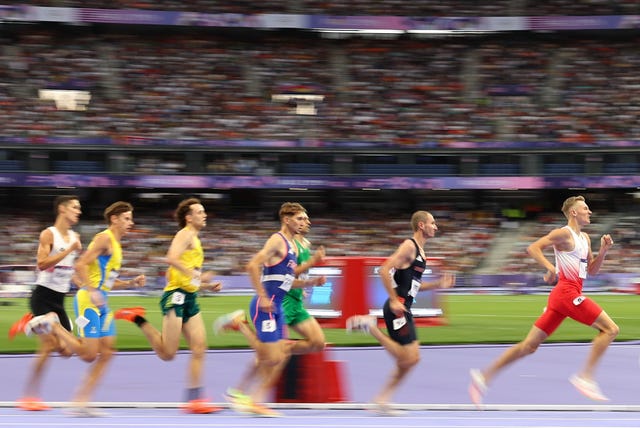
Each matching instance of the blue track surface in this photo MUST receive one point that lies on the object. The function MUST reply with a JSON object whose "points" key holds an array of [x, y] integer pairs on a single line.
{"points": [[140, 390]]}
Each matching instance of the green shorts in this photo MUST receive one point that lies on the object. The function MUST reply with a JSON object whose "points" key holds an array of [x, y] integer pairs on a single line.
{"points": [[294, 311], [185, 304]]}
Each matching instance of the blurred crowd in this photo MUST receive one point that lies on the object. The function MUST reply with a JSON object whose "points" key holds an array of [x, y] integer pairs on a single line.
{"points": [[207, 87], [364, 7], [230, 242], [466, 240]]}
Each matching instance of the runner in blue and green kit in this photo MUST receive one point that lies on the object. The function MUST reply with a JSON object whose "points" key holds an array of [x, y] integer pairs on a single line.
{"points": [[296, 316]]}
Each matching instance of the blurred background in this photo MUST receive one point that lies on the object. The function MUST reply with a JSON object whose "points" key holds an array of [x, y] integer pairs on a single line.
{"points": [[488, 114]]}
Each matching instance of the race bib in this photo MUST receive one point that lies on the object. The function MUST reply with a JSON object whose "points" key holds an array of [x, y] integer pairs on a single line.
{"points": [[415, 287], [398, 323], [582, 269], [195, 278], [268, 326], [111, 279], [177, 298], [287, 282], [82, 321]]}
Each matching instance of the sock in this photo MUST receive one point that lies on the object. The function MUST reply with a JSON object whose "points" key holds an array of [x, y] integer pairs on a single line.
{"points": [[139, 320], [194, 393]]}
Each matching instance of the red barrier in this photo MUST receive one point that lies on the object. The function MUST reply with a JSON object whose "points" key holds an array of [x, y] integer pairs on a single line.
{"points": [[354, 288], [311, 378]]}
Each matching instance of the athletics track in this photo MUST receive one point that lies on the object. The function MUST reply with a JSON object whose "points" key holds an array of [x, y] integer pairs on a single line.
{"points": [[141, 391]]}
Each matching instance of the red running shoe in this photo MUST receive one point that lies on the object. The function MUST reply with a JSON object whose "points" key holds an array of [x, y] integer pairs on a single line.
{"points": [[33, 404], [129, 314], [18, 326], [200, 406]]}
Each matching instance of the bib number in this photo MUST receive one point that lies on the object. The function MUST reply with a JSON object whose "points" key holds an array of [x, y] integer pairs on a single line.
{"points": [[177, 298], [195, 279], [398, 323], [287, 283], [82, 321], [111, 279], [582, 269], [415, 287], [268, 326]]}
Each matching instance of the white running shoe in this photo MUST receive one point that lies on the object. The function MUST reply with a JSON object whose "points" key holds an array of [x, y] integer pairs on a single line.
{"points": [[85, 412], [478, 387], [588, 388], [360, 322], [41, 324], [229, 321], [385, 409]]}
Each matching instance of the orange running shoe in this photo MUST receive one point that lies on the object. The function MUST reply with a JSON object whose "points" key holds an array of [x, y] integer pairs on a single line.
{"points": [[18, 326], [33, 404], [129, 314], [200, 406]]}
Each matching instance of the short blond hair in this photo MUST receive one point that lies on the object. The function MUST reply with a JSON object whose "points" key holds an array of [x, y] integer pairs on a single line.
{"points": [[417, 217], [569, 203]]}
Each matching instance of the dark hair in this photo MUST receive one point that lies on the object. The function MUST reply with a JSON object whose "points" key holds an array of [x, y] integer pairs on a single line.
{"points": [[116, 209], [184, 209], [62, 200]]}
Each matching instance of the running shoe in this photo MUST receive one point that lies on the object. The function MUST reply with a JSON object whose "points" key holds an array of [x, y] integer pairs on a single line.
{"points": [[478, 387], [230, 321], [33, 404], [85, 412], [238, 400], [384, 409], [261, 410], [200, 406], [360, 322], [41, 324], [18, 326], [130, 314], [588, 388]]}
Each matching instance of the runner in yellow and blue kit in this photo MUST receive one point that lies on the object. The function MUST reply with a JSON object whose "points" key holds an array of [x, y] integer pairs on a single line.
{"points": [[97, 270]]}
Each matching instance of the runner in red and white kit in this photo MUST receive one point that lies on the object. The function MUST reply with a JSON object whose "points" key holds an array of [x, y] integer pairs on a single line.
{"points": [[574, 261], [58, 247]]}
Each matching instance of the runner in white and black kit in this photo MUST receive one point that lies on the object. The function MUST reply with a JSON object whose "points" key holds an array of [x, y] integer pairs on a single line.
{"points": [[401, 274], [58, 248]]}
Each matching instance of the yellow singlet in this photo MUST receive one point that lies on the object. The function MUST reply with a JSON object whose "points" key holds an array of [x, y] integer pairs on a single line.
{"points": [[192, 259], [104, 270]]}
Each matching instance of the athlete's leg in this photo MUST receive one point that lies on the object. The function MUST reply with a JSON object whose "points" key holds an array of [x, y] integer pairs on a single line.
{"points": [[406, 359], [196, 336], [47, 345], [167, 342], [314, 340], [608, 330], [87, 348], [96, 371], [525, 347], [271, 360]]}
